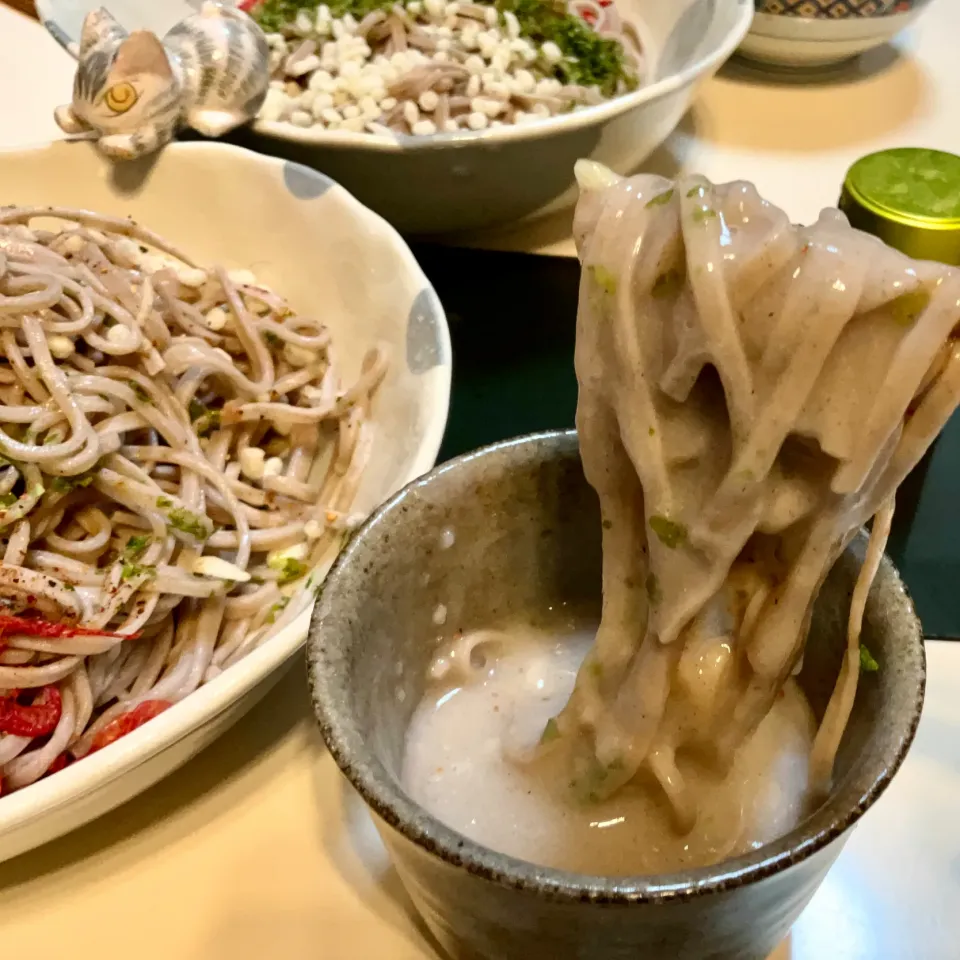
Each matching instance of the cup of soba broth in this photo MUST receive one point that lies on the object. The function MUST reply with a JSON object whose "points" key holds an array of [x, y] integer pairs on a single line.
{"points": [[623, 691]]}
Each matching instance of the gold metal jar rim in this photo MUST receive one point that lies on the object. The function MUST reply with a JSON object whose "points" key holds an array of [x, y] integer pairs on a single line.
{"points": [[900, 224]]}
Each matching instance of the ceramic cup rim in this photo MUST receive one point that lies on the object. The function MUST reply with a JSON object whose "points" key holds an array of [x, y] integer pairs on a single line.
{"points": [[385, 797]]}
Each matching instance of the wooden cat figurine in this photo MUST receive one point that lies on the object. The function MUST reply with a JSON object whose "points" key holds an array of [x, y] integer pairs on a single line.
{"points": [[132, 91]]}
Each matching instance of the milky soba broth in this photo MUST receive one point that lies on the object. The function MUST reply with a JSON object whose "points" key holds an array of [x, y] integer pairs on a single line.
{"points": [[471, 740]]}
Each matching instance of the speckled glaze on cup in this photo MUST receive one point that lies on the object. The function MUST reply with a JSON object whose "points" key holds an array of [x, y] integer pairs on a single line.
{"points": [[502, 535]]}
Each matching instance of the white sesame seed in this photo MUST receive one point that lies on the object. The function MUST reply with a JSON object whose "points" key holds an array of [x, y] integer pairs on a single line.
{"points": [[475, 64], [73, 244], [388, 103], [423, 128], [450, 126], [331, 116], [216, 318], [476, 120], [123, 337], [273, 467], [513, 24], [312, 529], [192, 276], [221, 569], [473, 86], [277, 558], [251, 462], [351, 112], [490, 15], [410, 112], [60, 346]]}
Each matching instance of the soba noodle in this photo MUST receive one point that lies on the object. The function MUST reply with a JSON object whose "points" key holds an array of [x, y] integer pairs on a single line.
{"points": [[178, 454], [751, 393]]}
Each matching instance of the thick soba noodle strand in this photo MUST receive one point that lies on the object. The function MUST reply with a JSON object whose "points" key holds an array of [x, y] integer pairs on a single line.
{"points": [[178, 454], [751, 393]]}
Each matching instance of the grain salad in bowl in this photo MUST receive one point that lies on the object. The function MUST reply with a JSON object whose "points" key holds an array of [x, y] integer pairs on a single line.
{"points": [[423, 67], [382, 122]]}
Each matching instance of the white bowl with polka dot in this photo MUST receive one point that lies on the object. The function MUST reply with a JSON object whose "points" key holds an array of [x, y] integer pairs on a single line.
{"points": [[471, 179], [332, 258]]}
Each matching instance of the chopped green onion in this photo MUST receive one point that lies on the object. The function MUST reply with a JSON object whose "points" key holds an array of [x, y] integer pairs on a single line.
{"points": [[604, 279], [136, 545], [550, 732], [661, 199], [867, 662], [670, 533]]}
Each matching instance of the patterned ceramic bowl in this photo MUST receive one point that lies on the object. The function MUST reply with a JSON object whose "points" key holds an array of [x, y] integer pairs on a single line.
{"points": [[818, 33], [835, 9]]}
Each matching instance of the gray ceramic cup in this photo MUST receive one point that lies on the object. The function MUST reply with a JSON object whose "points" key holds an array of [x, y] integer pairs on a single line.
{"points": [[500, 536]]}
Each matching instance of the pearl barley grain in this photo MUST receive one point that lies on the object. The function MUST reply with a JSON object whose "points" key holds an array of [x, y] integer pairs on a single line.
{"points": [[428, 101]]}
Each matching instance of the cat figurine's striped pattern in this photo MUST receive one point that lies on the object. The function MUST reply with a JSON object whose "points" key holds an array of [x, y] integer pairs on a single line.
{"points": [[132, 91]]}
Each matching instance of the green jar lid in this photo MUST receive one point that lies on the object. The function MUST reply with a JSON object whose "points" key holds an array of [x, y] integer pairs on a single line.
{"points": [[910, 198]]}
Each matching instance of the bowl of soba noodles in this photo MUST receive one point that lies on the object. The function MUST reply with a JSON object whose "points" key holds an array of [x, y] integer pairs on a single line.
{"points": [[447, 116], [212, 366], [642, 679]]}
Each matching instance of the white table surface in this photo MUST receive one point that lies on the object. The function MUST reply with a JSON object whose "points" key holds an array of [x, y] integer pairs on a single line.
{"points": [[255, 849]]}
